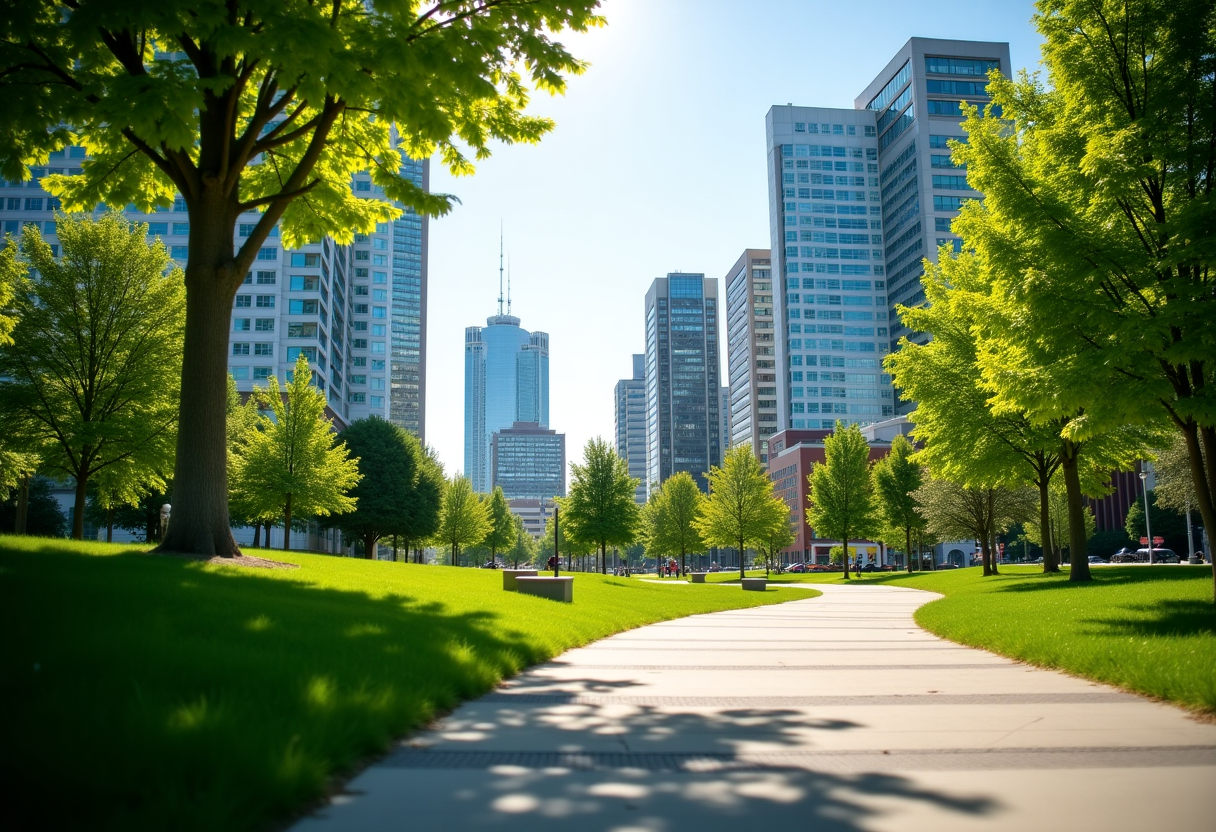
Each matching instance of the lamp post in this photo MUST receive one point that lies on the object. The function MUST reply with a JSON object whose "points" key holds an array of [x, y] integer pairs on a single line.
{"points": [[1148, 525], [557, 558], [1190, 535]]}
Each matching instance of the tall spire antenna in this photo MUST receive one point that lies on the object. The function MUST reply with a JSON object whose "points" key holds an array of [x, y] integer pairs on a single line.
{"points": [[508, 287], [500, 267]]}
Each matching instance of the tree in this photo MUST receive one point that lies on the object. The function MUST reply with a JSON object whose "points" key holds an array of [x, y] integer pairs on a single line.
{"points": [[963, 438], [669, 519], [16, 466], [422, 505], [841, 502], [1058, 517], [293, 463], [524, 547], [571, 546], [387, 472], [502, 526], [243, 106], [1097, 224], [739, 510], [955, 512], [462, 518], [600, 507], [896, 477], [125, 484], [91, 379], [43, 518], [780, 534], [1167, 522]]}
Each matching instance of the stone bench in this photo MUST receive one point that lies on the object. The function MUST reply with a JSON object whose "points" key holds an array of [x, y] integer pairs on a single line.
{"points": [[755, 584], [697, 577], [509, 576], [555, 589]]}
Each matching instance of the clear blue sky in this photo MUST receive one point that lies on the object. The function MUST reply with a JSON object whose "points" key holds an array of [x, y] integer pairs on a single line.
{"points": [[657, 164]]}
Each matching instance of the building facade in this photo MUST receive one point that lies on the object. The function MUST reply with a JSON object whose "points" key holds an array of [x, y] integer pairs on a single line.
{"points": [[506, 380], [629, 422], [856, 199], [683, 390], [334, 304], [528, 461], [751, 350]]}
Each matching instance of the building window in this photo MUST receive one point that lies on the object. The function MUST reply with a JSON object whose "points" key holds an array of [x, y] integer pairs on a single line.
{"points": [[263, 349], [240, 324], [264, 325], [266, 278], [243, 301], [262, 373], [179, 252], [240, 349], [239, 373], [265, 301], [268, 253], [301, 260]]}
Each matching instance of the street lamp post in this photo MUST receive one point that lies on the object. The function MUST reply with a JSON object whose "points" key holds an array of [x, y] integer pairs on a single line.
{"points": [[1148, 524], [557, 558]]}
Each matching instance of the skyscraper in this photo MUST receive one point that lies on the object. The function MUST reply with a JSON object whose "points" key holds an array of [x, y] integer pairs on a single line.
{"points": [[330, 303], [528, 461], [683, 392], [849, 183], [629, 417], [751, 352], [506, 380]]}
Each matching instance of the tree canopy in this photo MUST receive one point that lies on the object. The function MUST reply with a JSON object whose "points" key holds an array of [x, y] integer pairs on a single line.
{"points": [[600, 508], [896, 478], [293, 461], [741, 508], [841, 502], [669, 519], [388, 472], [91, 379], [958, 512], [246, 106], [502, 532], [462, 518]]}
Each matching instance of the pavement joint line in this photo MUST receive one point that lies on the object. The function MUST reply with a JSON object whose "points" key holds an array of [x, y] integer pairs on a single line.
{"points": [[939, 759], [860, 700], [1002, 665]]}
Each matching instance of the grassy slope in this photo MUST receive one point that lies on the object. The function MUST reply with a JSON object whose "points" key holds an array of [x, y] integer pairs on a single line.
{"points": [[141, 692], [1150, 629]]}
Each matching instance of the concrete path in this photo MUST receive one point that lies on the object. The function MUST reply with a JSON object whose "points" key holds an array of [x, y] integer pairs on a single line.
{"points": [[835, 713]]}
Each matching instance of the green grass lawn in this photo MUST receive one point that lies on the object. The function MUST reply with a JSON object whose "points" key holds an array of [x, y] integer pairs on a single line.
{"points": [[1150, 629], [149, 693]]}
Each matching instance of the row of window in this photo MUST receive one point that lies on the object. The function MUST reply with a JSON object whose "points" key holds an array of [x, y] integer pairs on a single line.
{"points": [[832, 268], [827, 253], [833, 129], [789, 151]]}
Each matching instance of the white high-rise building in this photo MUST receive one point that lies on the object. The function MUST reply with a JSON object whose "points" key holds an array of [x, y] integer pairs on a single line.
{"points": [[355, 311], [629, 418], [751, 351], [856, 199]]}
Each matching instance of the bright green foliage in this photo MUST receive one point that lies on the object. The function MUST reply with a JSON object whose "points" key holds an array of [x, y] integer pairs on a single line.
{"points": [[92, 377], [524, 548], [502, 531], [193, 727], [1059, 532], [741, 509], [841, 503], [12, 276], [669, 519], [780, 534], [462, 518], [1096, 227], [127, 482], [259, 105], [896, 476], [388, 467], [958, 512], [293, 463], [1175, 483], [600, 508], [244, 419], [421, 509], [1167, 522], [571, 547]]}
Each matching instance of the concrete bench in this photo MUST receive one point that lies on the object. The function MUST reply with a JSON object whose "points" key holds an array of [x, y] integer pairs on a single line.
{"points": [[555, 589], [755, 584], [509, 576], [697, 577]]}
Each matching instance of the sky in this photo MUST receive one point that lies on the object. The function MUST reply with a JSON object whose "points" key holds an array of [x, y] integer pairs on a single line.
{"points": [[656, 165]]}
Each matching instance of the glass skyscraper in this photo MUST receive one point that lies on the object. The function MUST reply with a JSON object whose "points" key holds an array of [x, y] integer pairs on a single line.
{"points": [[506, 380], [683, 391], [856, 199], [629, 420]]}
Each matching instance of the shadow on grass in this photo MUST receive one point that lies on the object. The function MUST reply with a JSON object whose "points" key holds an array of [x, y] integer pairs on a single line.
{"points": [[1102, 576], [1162, 618], [143, 692], [558, 754]]}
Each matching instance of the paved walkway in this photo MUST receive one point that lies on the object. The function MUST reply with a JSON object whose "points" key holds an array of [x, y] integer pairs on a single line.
{"points": [[835, 713]]}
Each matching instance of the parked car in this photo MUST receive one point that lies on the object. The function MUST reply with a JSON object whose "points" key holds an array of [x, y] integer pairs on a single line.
{"points": [[1159, 555], [1096, 559], [869, 567]]}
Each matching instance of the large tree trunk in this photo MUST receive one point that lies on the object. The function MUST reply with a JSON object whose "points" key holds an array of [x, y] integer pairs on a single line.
{"points": [[369, 545], [287, 524], [1078, 555], [257, 534], [200, 481], [1203, 477], [1050, 563], [82, 482], [110, 525], [908, 547]]}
